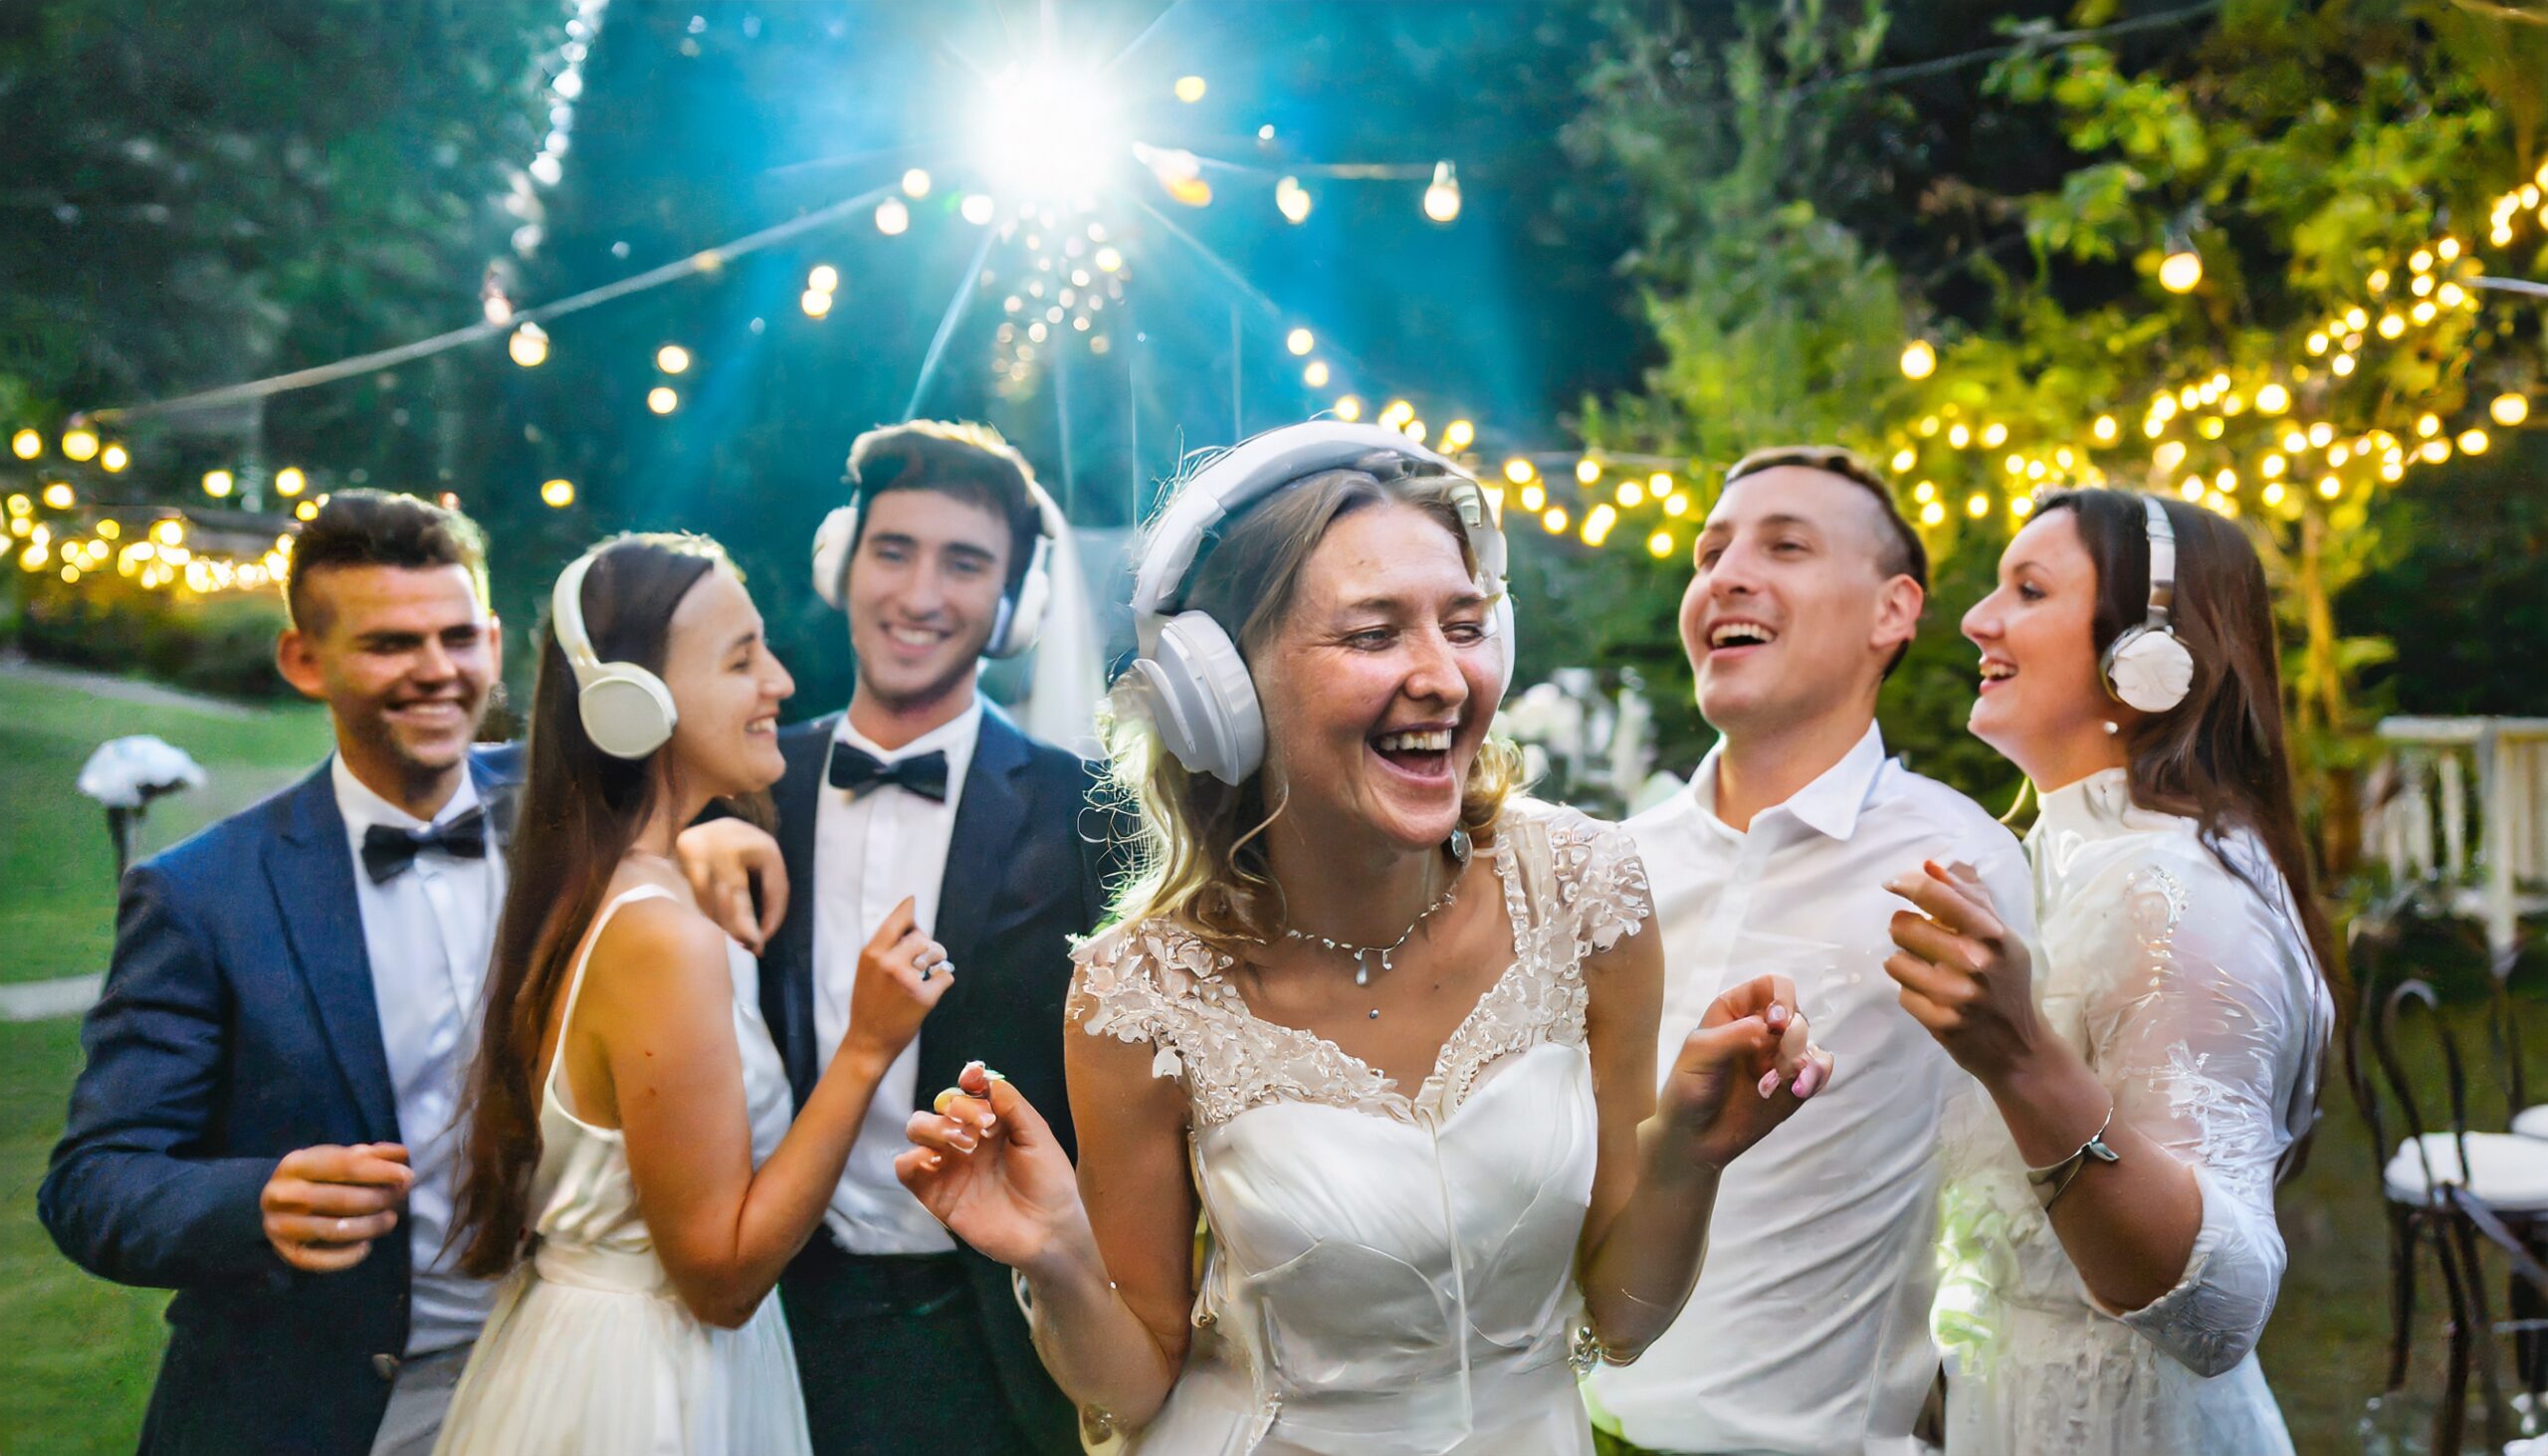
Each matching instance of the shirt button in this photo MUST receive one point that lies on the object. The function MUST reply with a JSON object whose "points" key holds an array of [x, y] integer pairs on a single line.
{"points": [[387, 1365]]}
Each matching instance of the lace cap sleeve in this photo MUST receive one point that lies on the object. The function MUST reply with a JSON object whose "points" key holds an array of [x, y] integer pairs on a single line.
{"points": [[1138, 983], [1593, 869]]}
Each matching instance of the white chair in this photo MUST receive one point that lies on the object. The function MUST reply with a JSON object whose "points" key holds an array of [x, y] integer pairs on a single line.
{"points": [[2532, 1121]]}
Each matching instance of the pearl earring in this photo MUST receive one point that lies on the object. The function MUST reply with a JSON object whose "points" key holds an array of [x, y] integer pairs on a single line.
{"points": [[2113, 728]]}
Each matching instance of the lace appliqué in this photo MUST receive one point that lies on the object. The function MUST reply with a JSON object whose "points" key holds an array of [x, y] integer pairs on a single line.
{"points": [[1155, 983]]}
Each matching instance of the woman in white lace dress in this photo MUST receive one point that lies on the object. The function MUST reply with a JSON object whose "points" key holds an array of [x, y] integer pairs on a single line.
{"points": [[630, 1159], [2112, 1253], [1386, 1031]]}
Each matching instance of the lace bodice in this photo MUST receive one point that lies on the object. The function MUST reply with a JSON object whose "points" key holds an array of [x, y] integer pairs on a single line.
{"points": [[1572, 886], [1390, 1273], [2191, 993]]}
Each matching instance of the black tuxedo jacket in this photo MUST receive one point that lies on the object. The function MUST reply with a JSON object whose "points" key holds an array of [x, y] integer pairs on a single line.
{"points": [[1021, 879], [237, 1025]]}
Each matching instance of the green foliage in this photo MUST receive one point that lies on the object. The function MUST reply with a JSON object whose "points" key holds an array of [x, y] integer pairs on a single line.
{"points": [[223, 644]]}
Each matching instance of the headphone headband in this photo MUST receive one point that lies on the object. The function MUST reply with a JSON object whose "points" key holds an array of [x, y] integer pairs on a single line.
{"points": [[2148, 666], [2163, 564], [626, 710]]}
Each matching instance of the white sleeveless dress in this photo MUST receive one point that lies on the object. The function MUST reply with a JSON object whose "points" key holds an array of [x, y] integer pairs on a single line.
{"points": [[1390, 1274], [588, 1348]]}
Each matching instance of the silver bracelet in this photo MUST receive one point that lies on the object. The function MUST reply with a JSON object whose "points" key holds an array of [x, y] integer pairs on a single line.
{"points": [[2051, 1183]]}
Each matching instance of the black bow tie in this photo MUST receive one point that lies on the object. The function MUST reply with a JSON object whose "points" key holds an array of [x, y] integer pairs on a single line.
{"points": [[857, 771], [387, 850]]}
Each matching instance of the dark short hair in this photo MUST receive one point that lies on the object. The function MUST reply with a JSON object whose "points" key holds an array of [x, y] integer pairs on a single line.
{"points": [[380, 528], [1901, 554], [970, 461]]}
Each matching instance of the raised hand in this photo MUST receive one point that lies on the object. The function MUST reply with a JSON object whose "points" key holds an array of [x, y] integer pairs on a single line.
{"points": [[325, 1205], [720, 859], [986, 1162], [1963, 975], [1746, 1067], [901, 973]]}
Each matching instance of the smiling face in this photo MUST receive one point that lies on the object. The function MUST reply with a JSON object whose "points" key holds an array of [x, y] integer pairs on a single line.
{"points": [[404, 658], [1380, 681], [924, 593], [1790, 613], [727, 687], [2044, 703]]}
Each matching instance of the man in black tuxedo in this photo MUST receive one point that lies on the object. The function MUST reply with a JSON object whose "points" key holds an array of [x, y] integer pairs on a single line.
{"points": [[925, 791], [269, 1122]]}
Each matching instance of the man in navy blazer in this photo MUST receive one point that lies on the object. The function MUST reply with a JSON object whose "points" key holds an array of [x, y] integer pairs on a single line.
{"points": [[923, 790], [269, 1121]]}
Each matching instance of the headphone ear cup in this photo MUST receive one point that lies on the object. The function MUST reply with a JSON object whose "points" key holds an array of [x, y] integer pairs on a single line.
{"points": [[1022, 615], [1505, 647], [626, 710], [833, 541], [2149, 669], [1203, 702]]}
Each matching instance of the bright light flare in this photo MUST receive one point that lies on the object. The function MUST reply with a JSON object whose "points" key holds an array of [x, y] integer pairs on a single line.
{"points": [[1046, 132]]}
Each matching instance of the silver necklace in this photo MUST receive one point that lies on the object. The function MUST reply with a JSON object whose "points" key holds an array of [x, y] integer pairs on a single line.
{"points": [[1362, 955]]}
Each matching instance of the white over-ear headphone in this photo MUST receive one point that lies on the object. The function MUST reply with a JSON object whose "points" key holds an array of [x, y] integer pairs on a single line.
{"points": [[1195, 683], [2148, 666], [1021, 612], [627, 710]]}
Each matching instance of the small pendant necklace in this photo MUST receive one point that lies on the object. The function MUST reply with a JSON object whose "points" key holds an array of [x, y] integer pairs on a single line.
{"points": [[1364, 954]]}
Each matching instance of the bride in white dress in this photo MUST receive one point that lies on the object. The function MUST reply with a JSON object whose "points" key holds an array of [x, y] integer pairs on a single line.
{"points": [[1384, 1030], [630, 1159], [2112, 1254]]}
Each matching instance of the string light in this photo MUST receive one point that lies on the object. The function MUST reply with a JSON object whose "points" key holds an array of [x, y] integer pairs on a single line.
{"points": [[25, 444], [78, 444], [816, 303], [1660, 545], [1300, 341], [672, 359], [1347, 408], [559, 494], [529, 345], [2509, 409], [1519, 471], [1315, 376], [1586, 471], [1919, 359], [115, 458], [892, 217], [290, 481], [1442, 198], [662, 399], [1292, 200], [915, 186], [1457, 434], [2181, 272], [218, 482]]}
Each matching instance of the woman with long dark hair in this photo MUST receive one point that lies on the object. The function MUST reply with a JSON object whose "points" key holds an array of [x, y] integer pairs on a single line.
{"points": [[630, 1159], [2110, 1227]]}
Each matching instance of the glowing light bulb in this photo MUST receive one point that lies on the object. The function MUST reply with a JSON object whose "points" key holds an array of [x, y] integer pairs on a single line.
{"points": [[1519, 471], [1632, 493], [1299, 341], [1442, 198], [2329, 488], [529, 345], [60, 496], [1457, 434], [290, 481], [1292, 200], [977, 208], [662, 399], [1919, 359], [1904, 459], [1191, 89], [1315, 376], [1552, 520], [218, 482], [2473, 442], [1348, 409], [2509, 409], [672, 359], [2428, 425], [1957, 436], [1976, 504], [2272, 399], [1533, 497], [115, 458], [559, 494], [1932, 514], [1993, 436], [1660, 545], [1597, 522], [892, 217], [2106, 429], [816, 303], [25, 444], [915, 185], [78, 444], [2181, 272], [1588, 470]]}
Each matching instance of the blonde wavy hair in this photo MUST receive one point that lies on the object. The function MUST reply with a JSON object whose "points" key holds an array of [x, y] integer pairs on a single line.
{"points": [[1198, 850]]}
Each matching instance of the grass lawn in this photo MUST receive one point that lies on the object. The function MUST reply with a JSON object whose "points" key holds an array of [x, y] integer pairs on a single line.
{"points": [[76, 1355]]}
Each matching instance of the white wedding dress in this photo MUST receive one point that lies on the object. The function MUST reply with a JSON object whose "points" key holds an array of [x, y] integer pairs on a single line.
{"points": [[2193, 996], [1388, 1273], [590, 1350]]}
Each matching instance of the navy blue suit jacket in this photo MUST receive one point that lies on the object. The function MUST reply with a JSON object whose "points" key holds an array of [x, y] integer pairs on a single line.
{"points": [[1025, 871], [238, 1025]]}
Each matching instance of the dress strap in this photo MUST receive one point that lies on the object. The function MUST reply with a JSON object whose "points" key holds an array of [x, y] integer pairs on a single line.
{"points": [[583, 959]]}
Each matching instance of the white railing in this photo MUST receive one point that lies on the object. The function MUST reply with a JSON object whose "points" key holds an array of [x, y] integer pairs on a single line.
{"points": [[2461, 805]]}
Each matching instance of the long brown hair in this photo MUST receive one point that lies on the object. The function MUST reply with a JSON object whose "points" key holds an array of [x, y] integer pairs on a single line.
{"points": [[1200, 850], [579, 812], [2219, 756]]}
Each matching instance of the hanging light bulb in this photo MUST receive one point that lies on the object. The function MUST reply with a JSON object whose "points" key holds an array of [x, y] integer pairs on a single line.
{"points": [[1300, 341], [291, 481], [115, 458], [1457, 434], [79, 443], [2181, 272], [2509, 409], [1919, 359], [816, 303], [1519, 471], [1315, 376], [662, 400], [1292, 199], [892, 217], [25, 444], [672, 359], [915, 185], [1442, 199], [1586, 471], [529, 345], [559, 494], [978, 208]]}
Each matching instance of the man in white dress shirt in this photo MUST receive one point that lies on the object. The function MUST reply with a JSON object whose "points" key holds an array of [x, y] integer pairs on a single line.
{"points": [[923, 791], [1808, 1332]]}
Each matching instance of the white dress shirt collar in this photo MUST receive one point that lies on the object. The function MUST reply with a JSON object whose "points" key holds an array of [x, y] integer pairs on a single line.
{"points": [[361, 808], [954, 737], [1829, 805]]}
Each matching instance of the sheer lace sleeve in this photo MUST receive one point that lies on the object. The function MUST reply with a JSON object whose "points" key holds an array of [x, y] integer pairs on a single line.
{"points": [[2192, 1020], [1601, 882], [1139, 985]]}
